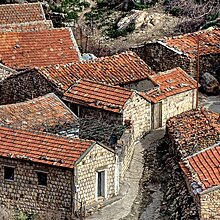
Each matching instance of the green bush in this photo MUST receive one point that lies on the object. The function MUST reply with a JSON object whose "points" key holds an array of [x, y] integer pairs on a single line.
{"points": [[113, 32], [175, 11]]}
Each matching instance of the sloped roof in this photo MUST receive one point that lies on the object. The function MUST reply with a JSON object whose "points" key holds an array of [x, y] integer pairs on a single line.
{"points": [[170, 82], [194, 130], [5, 72], [118, 69], [18, 13], [209, 41], [27, 26], [41, 147], [21, 50], [98, 95], [40, 114], [203, 168]]}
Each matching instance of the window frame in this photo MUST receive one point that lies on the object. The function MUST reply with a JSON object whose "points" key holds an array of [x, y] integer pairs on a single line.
{"points": [[38, 172], [13, 175]]}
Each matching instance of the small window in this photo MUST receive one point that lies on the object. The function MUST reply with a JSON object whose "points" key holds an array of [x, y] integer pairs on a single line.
{"points": [[42, 178], [9, 173]]}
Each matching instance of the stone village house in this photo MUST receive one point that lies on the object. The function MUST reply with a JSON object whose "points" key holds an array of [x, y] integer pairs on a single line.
{"points": [[45, 173], [193, 138], [181, 51]]}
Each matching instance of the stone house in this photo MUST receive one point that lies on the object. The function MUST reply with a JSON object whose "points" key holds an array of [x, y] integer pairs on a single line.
{"points": [[45, 113], [55, 177], [174, 93], [202, 175], [181, 51]]}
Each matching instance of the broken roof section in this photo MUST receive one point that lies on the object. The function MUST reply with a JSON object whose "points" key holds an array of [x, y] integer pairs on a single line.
{"points": [[19, 13], [186, 44], [118, 69], [98, 95], [194, 130], [27, 26], [42, 147], [41, 114], [202, 169], [170, 82], [22, 50]]}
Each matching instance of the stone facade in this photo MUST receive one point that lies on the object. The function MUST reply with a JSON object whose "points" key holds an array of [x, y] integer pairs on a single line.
{"points": [[23, 87], [24, 192], [176, 104], [210, 205], [97, 159]]}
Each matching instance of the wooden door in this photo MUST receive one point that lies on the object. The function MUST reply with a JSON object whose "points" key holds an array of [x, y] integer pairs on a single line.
{"points": [[156, 115]]}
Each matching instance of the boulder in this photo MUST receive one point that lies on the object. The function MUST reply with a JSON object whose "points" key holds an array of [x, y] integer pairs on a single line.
{"points": [[209, 84]]}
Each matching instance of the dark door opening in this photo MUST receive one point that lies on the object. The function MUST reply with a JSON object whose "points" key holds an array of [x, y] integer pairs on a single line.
{"points": [[101, 184]]}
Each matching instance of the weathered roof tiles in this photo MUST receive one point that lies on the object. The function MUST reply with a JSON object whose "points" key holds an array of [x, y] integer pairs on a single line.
{"points": [[41, 147], [21, 50], [40, 114], [203, 169], [170, 83], [118, 69], [18, 13], [98, 95]]}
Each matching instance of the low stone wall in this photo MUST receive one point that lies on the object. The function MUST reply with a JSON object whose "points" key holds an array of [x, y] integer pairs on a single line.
{"points": [[97, 159], [24, 192], [176, 104], [210, 205]]}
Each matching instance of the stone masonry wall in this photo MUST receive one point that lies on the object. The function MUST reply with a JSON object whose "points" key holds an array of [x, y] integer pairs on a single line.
{"points": [[138, 111], [23, 87], [210, 205], [177, 104], [160, 58], [97, 159], [24, 192]]}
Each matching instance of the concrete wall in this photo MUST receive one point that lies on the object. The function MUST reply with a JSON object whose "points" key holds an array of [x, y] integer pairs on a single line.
{"points": [[210, 205], [23, 87], [176, 104], [24, 192], [138, 111], [97, 159]]}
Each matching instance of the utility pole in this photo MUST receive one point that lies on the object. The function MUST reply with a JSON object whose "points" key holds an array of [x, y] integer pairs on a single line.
{"points": [[198, 70]]}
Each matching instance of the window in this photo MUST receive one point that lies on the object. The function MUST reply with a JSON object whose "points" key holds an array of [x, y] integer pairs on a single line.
{"points": [[101, 184], [9, 173], [42, 178]]}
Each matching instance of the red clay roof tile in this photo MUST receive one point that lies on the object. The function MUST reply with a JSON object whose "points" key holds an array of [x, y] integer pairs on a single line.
{"points": [[27, 26], [21, 50], [98, 95], [203, 168], [115, 70], [18, 13], [170, 83], [41, 147], [209, 41], [45, 112]]}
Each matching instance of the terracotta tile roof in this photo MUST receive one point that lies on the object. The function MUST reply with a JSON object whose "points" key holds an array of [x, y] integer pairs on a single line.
{"points": [[5, 72], [187, 44], [42, 113], [193, 131], [98, 95], [170, 83], [21, 50], [18, 13], [203, 169], [117, 69], [27, 26], [41, 147]]}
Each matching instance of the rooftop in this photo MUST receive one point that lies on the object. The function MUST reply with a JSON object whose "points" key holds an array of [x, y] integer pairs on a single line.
{"points": [[170, 83], [98, 95], [21, 50], [194, 130], [209, 41], [27, 26], [18, 13], [41, 147], [5, 72], [41, 114], [202, 169], [118, 69]]}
